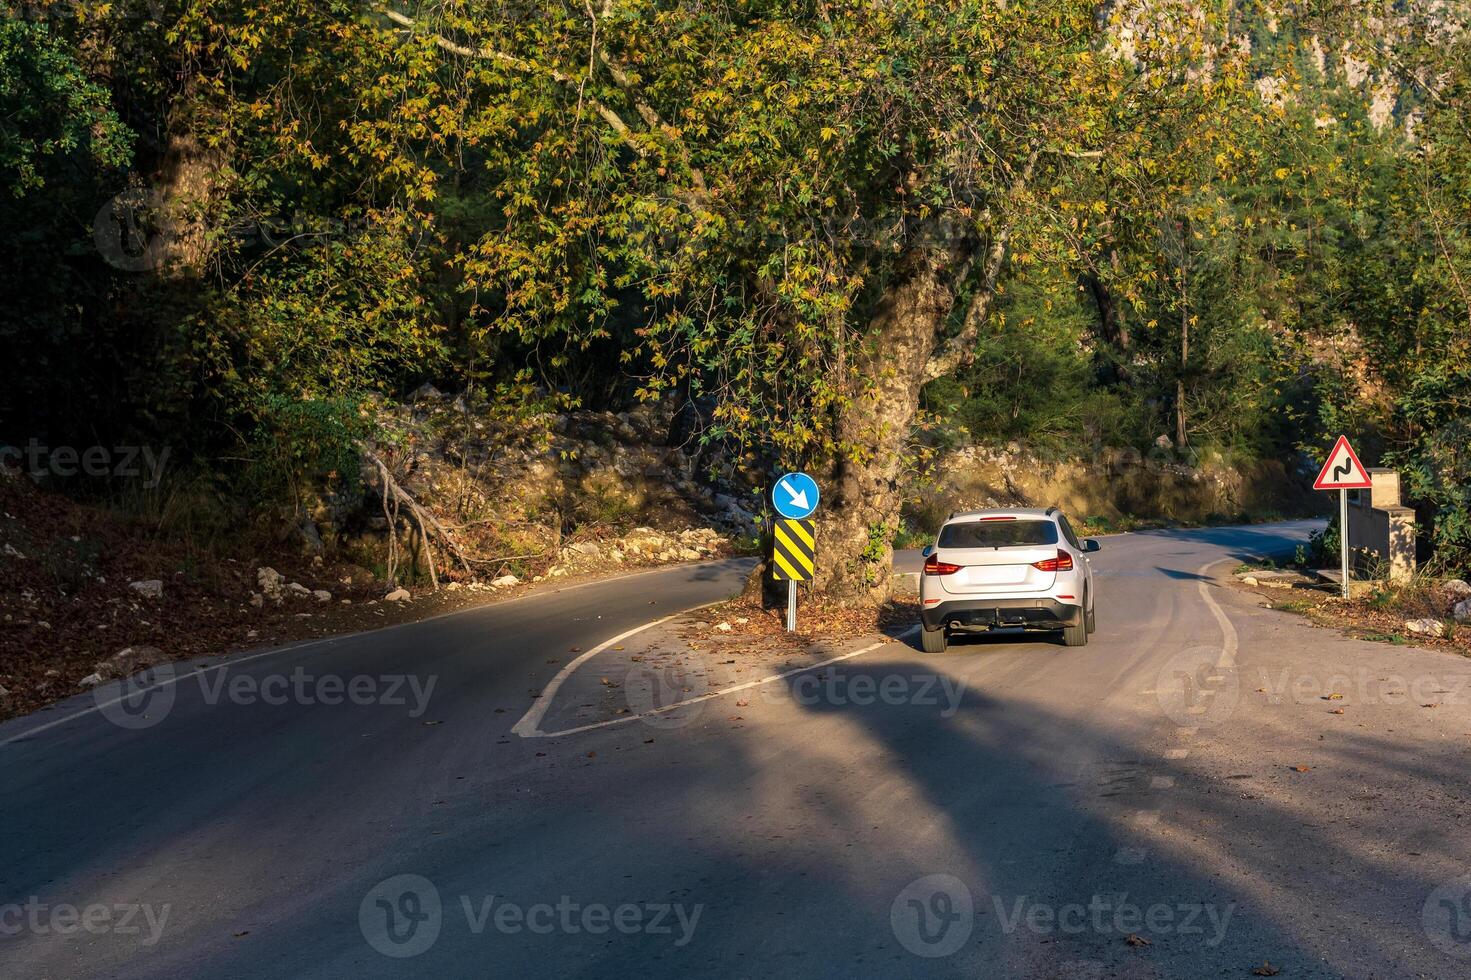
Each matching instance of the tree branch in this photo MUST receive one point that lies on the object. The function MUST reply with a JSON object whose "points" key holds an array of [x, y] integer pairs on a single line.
{"points": [[614, 121], [646, 112], [953, 352], [423, 517]]}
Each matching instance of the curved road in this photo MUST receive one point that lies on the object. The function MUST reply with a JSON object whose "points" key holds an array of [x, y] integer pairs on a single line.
{"points": [[1012, 808]]}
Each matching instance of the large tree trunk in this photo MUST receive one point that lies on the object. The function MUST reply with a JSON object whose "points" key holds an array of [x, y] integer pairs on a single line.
{"points": [[858, 519]]}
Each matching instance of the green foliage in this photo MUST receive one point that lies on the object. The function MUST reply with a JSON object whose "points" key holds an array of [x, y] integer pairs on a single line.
{"points": [[1324, 548], [1033, 378], [50, 109], [303, 442], [1195, 236]]}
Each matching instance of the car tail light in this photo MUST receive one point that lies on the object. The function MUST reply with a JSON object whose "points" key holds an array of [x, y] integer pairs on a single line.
{"points": [[998, 518], [934, 566], [1062, 563]]}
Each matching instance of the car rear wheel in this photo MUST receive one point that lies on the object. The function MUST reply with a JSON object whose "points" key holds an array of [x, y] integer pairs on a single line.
{"points": [[1092, 619], [933, 640], [1076, 636]]}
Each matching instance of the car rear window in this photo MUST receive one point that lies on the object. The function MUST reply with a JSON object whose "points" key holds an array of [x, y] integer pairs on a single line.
{"points": [[998, 534]]}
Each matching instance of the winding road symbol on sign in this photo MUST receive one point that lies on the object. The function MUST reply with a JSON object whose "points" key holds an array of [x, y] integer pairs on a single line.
{"points": [[1343, 471]]}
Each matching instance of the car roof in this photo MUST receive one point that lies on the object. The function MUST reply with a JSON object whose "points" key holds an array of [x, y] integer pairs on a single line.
{"points": [[1036, 513]]}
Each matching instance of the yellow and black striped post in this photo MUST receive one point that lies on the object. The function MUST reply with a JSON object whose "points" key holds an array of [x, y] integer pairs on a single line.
{"points": [[793, 559], [794, 551]]}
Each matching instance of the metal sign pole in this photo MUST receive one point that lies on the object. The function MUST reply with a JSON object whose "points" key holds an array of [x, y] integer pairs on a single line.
{"points": [[1343, 535], [791, 606]]}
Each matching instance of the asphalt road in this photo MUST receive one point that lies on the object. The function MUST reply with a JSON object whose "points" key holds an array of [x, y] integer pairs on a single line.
{"points": [[1012, 808]]}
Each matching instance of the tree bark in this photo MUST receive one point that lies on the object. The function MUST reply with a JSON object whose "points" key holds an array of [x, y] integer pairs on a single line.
{"points": [[1181, 429], [856, 528]]}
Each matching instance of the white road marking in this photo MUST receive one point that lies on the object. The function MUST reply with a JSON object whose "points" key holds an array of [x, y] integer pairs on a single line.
{"points": [[527, 727], [170, 682], [1227, 661], [237, 661], [1229, 641]]}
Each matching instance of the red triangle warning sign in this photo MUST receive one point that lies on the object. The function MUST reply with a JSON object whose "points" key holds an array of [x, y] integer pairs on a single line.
{"points": [[1343, 471]]}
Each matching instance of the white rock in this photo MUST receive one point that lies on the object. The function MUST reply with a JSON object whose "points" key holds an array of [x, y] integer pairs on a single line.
{"points": [[91, 680], [322, 595], [297, 589], [1457, 590], [689, 554], [9, 550], [588, 548], [148, 588], [1463, 611], [397, 595], [723, 627], [4, 693], [452, 587], [1426, 627], [269, 579], [142, 654], [257, 600], [1249, 580], [505, 581]]}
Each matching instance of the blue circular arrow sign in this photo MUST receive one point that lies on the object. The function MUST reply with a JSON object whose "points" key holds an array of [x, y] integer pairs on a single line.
{"points": [[795, 496]]}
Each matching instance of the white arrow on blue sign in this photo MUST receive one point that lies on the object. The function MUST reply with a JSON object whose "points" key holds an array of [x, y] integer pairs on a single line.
{"points": [[795, 496]]}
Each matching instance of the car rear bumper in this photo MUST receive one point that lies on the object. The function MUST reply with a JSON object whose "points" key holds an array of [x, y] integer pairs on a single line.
{"points": [[1001, 611]]}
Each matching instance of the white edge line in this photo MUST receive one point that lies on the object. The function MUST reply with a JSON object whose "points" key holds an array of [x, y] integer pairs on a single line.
{"points": [[201, 669], [237, 661], [526, 727], [1228, 629], [543, 704]]}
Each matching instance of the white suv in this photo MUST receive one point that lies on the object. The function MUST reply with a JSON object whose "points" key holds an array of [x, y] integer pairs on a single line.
{"points": [[1006, 569]]}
